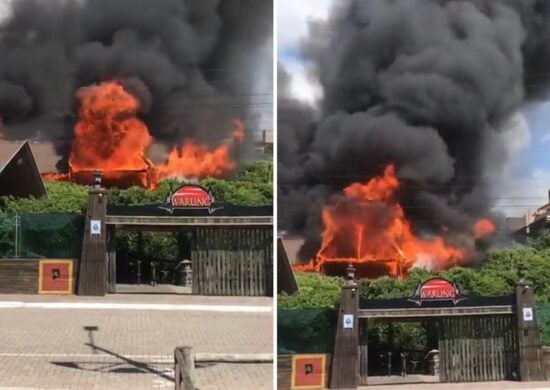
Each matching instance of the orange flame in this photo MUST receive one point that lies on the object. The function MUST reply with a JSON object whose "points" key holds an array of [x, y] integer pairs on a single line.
{"points": [[483, 228], [55, 176], [368, 228], [194, 160], [109, 137]]}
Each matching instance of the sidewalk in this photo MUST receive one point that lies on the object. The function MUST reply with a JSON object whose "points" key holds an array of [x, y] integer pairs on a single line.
{"points": [[140, 302], [126, 341], [143, 298], [464, 386]]}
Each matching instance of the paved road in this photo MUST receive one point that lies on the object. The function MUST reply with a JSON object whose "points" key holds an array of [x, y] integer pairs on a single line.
{"points": [[465, 386], [116, 349]]}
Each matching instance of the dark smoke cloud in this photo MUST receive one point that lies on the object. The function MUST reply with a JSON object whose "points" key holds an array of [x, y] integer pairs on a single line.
{"points": [[194, 64], [424, 84]]}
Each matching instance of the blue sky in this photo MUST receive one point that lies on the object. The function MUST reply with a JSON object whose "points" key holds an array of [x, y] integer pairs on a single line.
{"points": [[525, 182]]}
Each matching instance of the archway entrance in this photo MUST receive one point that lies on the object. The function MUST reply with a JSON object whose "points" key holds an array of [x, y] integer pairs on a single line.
{"points": [[478, 338], [220, 249]]}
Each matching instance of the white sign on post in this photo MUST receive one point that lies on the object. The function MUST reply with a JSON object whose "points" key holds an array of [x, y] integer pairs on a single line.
{"points": [[527, 314], [348, 321], [95, 226]]}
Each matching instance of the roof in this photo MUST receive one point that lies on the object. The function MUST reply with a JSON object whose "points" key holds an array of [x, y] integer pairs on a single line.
{"points": [[515, 223], [44, 153], [19, 175]]}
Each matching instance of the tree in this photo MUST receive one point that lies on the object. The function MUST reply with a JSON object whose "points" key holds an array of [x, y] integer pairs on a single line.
{"points": [[61, 197]]}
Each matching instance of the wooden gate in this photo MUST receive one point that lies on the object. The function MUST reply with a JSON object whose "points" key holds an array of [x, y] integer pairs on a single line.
{"points": [[233, 261], [478, 349]]}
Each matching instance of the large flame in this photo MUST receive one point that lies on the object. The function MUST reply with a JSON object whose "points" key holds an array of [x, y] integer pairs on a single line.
{"points": [[110, 138], [193, 160], [483, 227], [367, 227], [108, 135]]}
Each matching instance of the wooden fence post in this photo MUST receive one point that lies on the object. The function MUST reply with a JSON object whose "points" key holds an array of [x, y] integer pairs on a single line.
{"points": [[92, 275], [364, 349], [111, 259], [184, 368], [530, 361], [344, 373]]}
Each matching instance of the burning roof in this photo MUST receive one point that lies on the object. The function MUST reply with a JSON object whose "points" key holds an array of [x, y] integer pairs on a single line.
{"points": [[105, 79], [109, 137], [425, 87]]}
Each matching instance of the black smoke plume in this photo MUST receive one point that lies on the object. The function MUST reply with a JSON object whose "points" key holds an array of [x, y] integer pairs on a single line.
{"points": [[194, 64], [428, 85]]}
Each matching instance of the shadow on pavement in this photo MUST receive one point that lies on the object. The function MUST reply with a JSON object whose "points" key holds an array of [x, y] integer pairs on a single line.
{"points": [[125, 366]]}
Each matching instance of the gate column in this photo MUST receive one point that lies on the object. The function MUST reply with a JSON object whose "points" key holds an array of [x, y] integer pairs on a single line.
{"points": [[92, 276], [529, 349], [344, 373]]}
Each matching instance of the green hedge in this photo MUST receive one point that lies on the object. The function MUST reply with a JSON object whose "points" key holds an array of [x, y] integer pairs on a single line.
{"points": [[497, 275]]}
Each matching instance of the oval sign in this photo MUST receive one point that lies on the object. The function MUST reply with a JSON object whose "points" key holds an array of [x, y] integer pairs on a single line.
{"points": [[190, 196], [434, 289]]}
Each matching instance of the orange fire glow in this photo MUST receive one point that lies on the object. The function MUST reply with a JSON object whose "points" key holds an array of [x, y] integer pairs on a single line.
{"points": [[193, 160], [483, 228], [56, 176], [110, 138], [368, 228]]}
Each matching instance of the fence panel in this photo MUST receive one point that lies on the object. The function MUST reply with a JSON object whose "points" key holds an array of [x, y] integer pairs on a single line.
{"points": [[475, 349], [35, 236], [233, 261]]}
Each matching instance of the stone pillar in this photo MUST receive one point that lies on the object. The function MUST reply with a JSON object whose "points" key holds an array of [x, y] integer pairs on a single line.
{"points": [[345, 359], [531, 367], [92, 276]]}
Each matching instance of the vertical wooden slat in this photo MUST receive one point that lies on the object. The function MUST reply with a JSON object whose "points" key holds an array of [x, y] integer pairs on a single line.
{"points": [[242, 275], [442, 351]]}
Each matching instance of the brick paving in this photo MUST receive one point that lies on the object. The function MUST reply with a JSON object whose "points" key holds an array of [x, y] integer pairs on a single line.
{"points": [[117, 349], [504, 385]]}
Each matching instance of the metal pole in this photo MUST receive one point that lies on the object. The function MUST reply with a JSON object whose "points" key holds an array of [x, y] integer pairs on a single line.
{"points": [[17, 238]]}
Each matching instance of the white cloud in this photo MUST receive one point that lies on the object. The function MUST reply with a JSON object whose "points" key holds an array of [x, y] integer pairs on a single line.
{"points": [[5, 9], [293, 16], [292, 26], [303, 85], [522, 194], [517, 189]]}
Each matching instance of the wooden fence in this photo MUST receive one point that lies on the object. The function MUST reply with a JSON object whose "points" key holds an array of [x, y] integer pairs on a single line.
{"points": [[474, 349], [185, 359], [233, 261], [19, 276]]}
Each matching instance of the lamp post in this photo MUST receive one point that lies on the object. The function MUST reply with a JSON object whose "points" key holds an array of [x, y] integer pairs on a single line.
{"points": [[97, 179]]}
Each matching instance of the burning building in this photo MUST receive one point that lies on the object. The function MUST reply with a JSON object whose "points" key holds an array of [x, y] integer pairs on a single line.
{"points": [[390, 169], [105, 80]]}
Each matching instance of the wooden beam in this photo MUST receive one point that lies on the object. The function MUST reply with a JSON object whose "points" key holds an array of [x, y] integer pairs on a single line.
{"points": [[111, 258], [234, 357], [430, 312], [144, 221]]}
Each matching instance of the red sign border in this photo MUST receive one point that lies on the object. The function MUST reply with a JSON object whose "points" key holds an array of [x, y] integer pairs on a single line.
{"points": [[418, 299], [169, 206], [70, 281]]}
